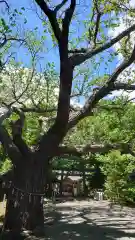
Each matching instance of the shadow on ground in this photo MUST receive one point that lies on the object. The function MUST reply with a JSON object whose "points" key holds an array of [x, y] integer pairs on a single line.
{"points": [[86, 222], [83, 220]]}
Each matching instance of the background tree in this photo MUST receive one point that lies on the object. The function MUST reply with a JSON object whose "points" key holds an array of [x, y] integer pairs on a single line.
{"points": [[117, 119], [117, 168]]}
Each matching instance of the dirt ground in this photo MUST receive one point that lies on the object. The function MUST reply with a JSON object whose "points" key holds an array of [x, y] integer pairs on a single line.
{"points": [[85, 220]]}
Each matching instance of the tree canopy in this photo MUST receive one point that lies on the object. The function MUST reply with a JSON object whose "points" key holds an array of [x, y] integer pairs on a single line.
{"points": [[93, 45]]}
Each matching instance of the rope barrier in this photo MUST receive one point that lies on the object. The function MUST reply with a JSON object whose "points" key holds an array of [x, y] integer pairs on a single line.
{"points": [[23, 191]]}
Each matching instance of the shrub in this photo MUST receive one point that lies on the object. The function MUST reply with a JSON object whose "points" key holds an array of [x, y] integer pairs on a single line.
{"points": [[116, 168]]}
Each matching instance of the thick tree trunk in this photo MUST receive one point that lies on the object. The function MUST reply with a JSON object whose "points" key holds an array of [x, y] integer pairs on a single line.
{"points": [[24, 208], [27, 213]]}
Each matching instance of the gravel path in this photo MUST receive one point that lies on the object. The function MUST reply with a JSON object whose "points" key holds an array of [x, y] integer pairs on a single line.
{"points": [[85, 220]]}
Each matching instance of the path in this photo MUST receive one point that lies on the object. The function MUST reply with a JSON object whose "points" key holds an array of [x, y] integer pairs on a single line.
{"points": [[89, 220]]}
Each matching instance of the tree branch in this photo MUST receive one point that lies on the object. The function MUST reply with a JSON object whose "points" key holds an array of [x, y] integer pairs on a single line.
{"points": [[75, 51], [17, 128], [124, 86], [67, 19], [37, 110], [2, 1], [66, 74], [78, 151], [5, 139], [51, 16], [99, 14], [59, 6], [102, 92], [4, 113], [97, 27], [5, 40], [8, 145], [58, 130], [77, 59]]}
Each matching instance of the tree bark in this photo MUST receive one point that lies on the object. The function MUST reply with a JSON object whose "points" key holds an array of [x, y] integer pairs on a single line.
{"points": [[24, 209], [28, 214]]}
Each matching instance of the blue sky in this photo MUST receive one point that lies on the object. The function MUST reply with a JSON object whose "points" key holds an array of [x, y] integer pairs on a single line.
{"points": [[52, 55], [33, 21]]}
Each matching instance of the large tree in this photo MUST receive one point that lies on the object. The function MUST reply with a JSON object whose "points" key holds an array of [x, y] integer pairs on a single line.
{"points": [[30, 163]]}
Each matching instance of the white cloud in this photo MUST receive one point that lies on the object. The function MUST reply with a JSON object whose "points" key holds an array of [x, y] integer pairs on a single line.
{"points": [[132, 3], [128, 74], [75, 103], [56, 91]]}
